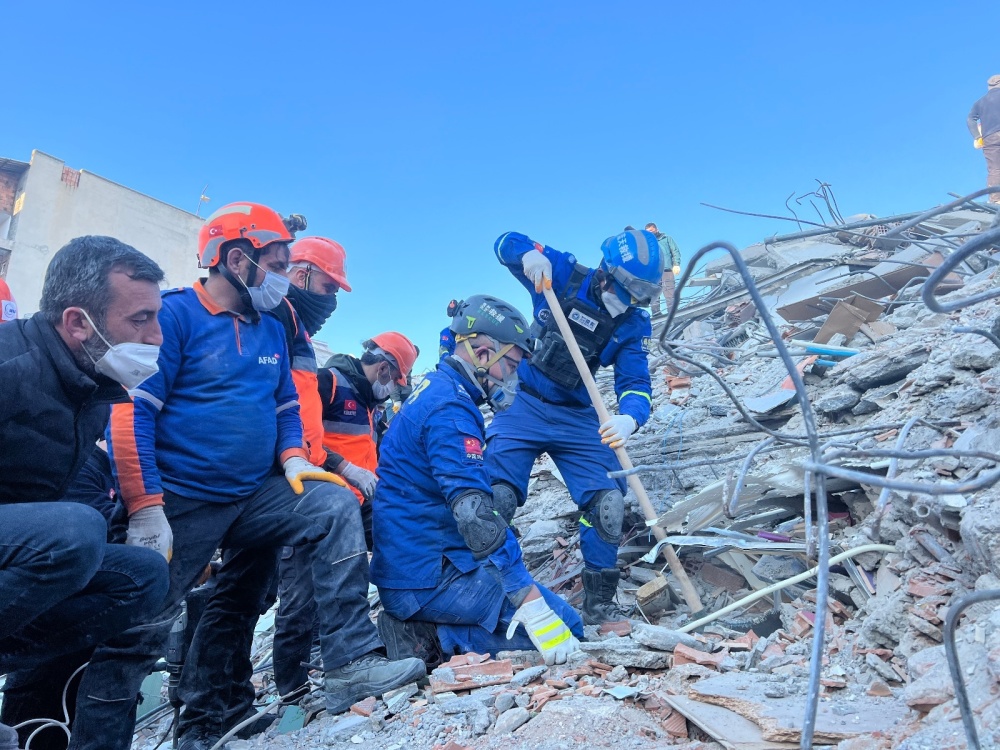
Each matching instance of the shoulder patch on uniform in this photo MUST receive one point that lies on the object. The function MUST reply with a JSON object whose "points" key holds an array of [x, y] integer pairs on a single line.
{"points": [[647, 342], [643, 313], [473, 448]]}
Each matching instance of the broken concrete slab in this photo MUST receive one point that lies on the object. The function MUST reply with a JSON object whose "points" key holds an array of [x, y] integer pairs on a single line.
{"points": [[728, 728], [626, 652], [780, 719], [872, 369], [665, 639], [837, 399]]}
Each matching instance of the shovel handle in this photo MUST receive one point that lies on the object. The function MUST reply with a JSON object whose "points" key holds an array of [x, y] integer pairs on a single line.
{"points": [[687, 588]]}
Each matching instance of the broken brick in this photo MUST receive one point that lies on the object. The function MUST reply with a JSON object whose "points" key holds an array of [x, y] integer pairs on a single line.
{"points": [[687, 655], [447, 678], [365, 707], [878, 689], [675, 725], [621, 628]]}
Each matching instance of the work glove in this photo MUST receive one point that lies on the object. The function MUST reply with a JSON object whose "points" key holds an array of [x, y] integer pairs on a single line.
{"points": [[149, 528], [537, 268], [298, 470], [546, 630], [617, 430], [978, 142], [677, 270], [363, 479]]}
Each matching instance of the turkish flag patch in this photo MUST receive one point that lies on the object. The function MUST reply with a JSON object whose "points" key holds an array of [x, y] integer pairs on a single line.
{"points": [[473, 448], [350, 404]]}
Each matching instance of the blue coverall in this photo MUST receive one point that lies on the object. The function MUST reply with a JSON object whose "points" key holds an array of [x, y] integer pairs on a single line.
{"points": [[432, 454], [549, 418]]}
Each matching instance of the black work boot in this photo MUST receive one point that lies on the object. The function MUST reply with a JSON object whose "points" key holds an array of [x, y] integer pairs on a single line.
{"points": [[407, 638], [599, 590], [196, 739], [372, 674]]}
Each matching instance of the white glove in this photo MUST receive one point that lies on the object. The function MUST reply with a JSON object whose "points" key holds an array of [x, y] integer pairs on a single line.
{"points": [[537, 268], [363, 479], [149, 528], [617, 430], [297, 470], [546, 630]]}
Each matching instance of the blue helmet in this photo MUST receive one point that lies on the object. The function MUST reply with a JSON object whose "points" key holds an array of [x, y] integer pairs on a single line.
{"points": [[633, 260]]}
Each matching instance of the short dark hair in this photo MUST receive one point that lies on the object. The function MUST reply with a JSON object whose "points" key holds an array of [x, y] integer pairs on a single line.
{"points": [[79, 275]]}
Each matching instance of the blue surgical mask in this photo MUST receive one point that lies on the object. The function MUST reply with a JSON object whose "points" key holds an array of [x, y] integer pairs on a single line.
{"points": [[273, 288]]}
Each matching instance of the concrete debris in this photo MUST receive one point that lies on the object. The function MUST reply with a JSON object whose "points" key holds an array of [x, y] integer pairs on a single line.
{"points": [[872, 357]]}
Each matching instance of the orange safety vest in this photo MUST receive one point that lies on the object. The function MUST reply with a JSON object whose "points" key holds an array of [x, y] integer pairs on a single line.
{"points": [[349, 426]]}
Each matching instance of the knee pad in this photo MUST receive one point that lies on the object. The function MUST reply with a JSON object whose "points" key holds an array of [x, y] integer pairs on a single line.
{"points": [[482, 528], [505, 500], [606, 513]]}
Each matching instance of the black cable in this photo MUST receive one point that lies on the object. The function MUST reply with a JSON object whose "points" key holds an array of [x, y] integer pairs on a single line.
{"points": [[951, 652]]}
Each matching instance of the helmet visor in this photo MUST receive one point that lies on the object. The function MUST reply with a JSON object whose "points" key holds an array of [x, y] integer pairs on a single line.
{"points": [[641, 290]]}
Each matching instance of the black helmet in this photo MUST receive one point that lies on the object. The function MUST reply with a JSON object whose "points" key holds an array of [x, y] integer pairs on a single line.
{"points": [[490, 316]]}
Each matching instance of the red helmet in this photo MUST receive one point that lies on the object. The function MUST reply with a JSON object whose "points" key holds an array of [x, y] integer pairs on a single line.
{"points": [[399, 348], [253, 222], [328, 256]]}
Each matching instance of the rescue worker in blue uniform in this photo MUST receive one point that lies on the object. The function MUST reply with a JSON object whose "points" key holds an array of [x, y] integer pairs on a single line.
{"points": [[553, 413], [446, 346], [443, 555]]}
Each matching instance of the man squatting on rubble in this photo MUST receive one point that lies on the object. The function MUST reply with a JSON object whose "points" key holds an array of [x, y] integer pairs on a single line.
{"points": [[984, 125], [63, 588], [226, 366], [216, 687], [443, 555], [552, 412]]}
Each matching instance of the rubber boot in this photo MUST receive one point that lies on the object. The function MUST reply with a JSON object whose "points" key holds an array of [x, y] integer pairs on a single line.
{"points": [[599, 590]]}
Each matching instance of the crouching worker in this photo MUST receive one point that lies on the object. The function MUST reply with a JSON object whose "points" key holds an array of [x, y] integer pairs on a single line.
{"points": [[63, 588], [443, 556], [210, 454]]}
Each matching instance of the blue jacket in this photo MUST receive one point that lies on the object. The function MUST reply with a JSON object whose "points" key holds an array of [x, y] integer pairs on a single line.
{"points": [[985, 113], [211, 423], [626, 351], [432, 453]]}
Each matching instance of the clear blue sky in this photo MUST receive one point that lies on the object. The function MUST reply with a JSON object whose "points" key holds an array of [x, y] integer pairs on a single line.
{"points": [[416, 133]]}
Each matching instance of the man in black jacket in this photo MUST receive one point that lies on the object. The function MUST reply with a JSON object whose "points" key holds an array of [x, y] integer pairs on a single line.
{"points": [[984, 125], [63, 588]]}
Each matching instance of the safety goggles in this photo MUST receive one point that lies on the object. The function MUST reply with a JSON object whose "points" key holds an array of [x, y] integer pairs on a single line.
{"points": [[641, 290]]}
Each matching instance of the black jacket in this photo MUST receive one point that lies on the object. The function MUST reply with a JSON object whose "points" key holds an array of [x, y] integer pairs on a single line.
{"points": [[985, 113], [51, 412]]}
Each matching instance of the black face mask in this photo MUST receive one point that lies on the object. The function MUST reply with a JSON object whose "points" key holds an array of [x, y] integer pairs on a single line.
{"points": [[313, 309]]}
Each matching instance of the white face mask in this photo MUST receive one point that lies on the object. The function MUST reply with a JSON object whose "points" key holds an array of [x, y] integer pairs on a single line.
{"points": [[273, 288], [129, 364], [381, 390], [613, 304]]}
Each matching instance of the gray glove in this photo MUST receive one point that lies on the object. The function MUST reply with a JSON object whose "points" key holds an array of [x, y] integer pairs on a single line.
{"points": [[363, 479], [149, 528]]}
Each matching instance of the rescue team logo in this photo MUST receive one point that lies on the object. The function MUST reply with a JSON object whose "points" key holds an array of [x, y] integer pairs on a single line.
{"points": [[269, 360], [583, 320], [473, 448], [350, 407], [646, 343]]}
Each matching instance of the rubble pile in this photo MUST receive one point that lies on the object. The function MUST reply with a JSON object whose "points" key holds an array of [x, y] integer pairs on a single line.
{"points": [[899, 391]]}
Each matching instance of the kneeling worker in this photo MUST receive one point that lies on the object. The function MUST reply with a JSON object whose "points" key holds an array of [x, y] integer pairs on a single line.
{"points": [[442, 554]]}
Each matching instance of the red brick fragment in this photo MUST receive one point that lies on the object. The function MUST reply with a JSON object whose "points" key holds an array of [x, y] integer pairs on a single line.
{"points": [[621, 628], [687, 655], [365, 707]]}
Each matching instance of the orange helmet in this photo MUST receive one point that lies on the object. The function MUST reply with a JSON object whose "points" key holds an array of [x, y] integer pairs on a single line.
{"points": [[399, 348], [328, 256], [253, 222]]}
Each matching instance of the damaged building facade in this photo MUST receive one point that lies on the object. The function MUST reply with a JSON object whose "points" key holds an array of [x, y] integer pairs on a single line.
{"points": [[824, 457], [44, 204]]}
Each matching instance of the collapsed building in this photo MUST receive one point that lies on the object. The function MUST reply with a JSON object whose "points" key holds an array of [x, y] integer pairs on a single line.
{"points": [[823, 455]]}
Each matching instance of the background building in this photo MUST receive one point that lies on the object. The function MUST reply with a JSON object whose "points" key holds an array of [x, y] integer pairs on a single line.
{"points": [[44, 204]]}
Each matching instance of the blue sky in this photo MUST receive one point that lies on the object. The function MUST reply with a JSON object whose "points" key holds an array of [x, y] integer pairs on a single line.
{"points": [[416, 133]]}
